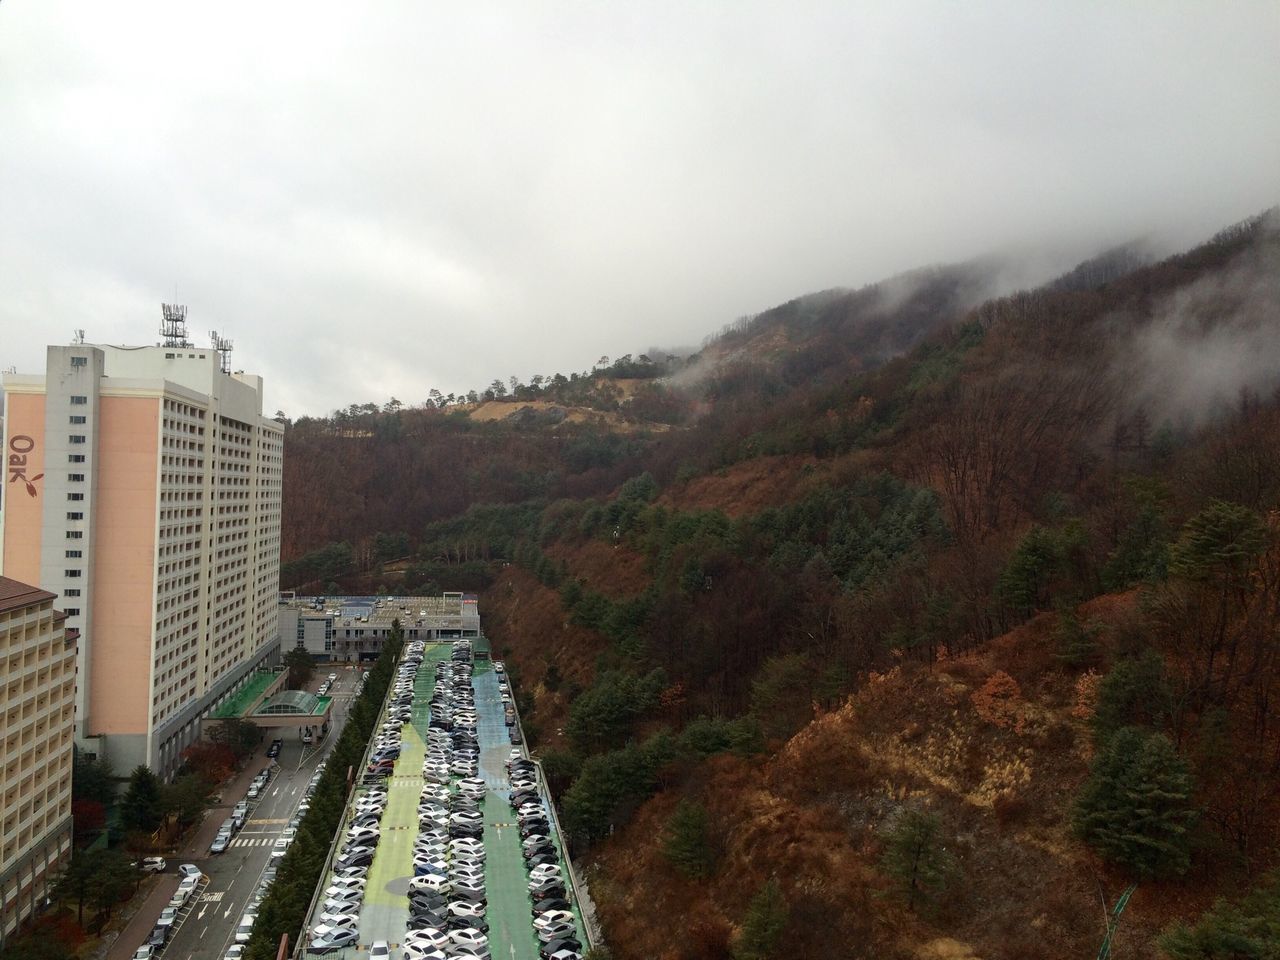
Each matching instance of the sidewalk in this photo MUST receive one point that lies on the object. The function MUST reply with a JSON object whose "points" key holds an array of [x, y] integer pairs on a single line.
{"points": [[194, 851]]}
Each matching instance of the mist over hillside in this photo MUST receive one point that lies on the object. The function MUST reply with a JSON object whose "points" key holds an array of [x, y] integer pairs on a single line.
{"points": [[898, 572]]}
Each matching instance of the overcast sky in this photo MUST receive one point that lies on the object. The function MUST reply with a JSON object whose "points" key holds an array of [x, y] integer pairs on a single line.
{"points": [[374, 199]]}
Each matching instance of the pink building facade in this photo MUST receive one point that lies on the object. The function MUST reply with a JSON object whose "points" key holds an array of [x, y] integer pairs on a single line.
{"points": [[143, 490]]}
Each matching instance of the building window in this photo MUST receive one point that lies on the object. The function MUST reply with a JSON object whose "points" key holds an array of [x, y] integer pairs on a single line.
{"points": [[79, 361], [76, 477], [77, 418], [75, 496], [73, 611], [75, 534], [71, 573], [74, 554], [75, 516], [75, 458], [78, 401], [71, 592], [76, 438]]}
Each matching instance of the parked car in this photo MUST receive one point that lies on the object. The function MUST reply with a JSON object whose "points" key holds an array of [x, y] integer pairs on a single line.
{"points": [[189, 870], [220, 843], [151, 864], [335, 939]]}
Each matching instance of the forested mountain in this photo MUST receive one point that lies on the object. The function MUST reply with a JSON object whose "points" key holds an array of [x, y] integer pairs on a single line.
{"points": [[900, 622]]}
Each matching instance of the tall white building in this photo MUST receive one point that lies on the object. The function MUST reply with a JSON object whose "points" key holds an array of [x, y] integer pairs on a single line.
{"points": [[143, 489]]}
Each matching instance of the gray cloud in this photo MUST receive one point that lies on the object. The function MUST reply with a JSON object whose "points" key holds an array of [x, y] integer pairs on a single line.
{"points": [[382, 199], [1209, 340]]}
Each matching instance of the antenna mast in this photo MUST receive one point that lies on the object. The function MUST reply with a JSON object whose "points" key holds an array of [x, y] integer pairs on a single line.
{"points": [[79, 337], [174, 327], [224, 348]]}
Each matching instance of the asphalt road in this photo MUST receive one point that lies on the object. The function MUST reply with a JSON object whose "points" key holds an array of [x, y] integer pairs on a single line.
{"points": [[209, 927]]}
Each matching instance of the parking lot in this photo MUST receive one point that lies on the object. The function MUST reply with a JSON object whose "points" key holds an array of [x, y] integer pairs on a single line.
{"points": [[447, 874]]}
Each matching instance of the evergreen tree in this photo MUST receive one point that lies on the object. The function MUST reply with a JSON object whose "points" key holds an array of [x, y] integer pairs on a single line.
{"points": [[1135, 692], [141, 807], [187, 798], [1135, 809], [92, 778], [301, 666], [688, 845], [917, 859], [1248, 930], [74, 883], [114, 879], [763, 924], [1077, 642]]}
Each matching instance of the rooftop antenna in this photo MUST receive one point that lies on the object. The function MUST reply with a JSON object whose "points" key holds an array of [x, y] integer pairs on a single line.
{"points": [[174, 327], [224, 348], [79, 337]]}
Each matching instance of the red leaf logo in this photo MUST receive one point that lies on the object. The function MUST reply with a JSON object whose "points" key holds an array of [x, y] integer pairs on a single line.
{"points": [[31, 487]]}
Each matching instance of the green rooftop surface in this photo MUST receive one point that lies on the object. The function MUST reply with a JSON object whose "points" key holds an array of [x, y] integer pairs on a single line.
{"points": [[247, 695]]}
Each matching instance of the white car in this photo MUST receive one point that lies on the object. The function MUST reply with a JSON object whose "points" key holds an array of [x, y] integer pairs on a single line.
{"points": [[355, 894], [556, 931], [346, 883], [337, 895], [552, 916], [470, 938], [467, 910], [181, 896], [324, 929], [429, 938]]}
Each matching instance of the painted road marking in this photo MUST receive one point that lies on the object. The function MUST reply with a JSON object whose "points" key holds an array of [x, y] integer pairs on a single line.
{"points": [[212, 897], [267, 821]]}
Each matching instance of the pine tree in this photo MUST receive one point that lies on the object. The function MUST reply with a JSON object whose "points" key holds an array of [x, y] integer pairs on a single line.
{"points": [[301, 667], [763, 924], [1077, 642], [688, 846], [141, 807], [1135, 809], [1134, 692], [1248, 930], [917, 859]]}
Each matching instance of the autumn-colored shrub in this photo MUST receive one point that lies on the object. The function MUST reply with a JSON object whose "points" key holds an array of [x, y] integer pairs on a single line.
{"points": [[999, 702]]}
